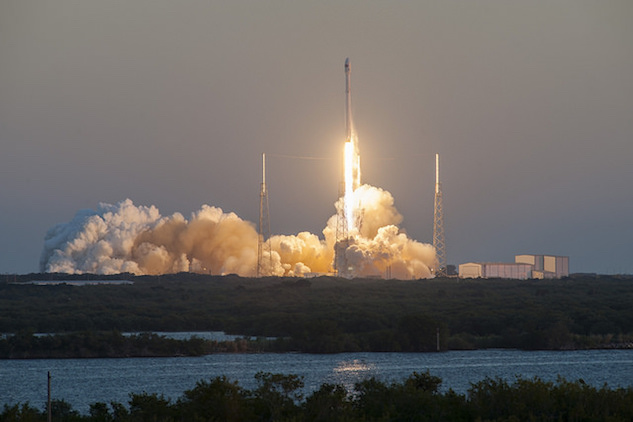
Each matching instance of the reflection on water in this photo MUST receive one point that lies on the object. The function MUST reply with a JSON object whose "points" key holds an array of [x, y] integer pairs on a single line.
{"points": [[356, 366], [349, 372], [82, 382]]}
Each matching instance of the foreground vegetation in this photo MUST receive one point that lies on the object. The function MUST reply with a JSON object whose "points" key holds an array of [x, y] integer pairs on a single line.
{"points": [[418, 398], [322, 315]]}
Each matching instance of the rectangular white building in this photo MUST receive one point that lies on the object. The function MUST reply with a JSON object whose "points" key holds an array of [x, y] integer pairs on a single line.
{"points": [[524, 267], [519, 271], [546, 266]]}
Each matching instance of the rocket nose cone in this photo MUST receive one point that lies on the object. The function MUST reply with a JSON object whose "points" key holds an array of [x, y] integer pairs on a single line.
{"points": [[347, 63]]}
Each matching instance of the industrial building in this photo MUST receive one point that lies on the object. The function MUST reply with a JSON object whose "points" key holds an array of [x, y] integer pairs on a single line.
{"points": [[523, 268], [495, 270], [546, 266]]}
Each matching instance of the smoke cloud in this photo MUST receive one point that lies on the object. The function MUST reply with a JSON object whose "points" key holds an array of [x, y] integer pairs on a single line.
{"points": [[128, 238]]}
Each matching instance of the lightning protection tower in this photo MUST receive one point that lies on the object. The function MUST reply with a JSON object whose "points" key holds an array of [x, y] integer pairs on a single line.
{"points": [[264, 264], [438, 224]]}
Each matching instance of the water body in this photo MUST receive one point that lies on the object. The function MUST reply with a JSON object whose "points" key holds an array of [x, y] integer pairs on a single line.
{"points": [[82, 382]]}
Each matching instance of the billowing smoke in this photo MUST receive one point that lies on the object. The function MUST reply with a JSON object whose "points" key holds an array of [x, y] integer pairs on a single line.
{"points": [[137, 239]]}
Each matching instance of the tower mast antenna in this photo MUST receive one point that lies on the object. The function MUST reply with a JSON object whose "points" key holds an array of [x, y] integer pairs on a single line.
{"points": [[264, 264], [438, 225]]}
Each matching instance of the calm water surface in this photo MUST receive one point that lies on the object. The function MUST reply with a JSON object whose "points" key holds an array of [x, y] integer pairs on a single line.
{"points": [[84, 381]]}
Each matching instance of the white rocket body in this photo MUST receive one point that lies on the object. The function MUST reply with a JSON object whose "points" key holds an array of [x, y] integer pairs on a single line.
{"points": [[348, 101], [350, 135]]}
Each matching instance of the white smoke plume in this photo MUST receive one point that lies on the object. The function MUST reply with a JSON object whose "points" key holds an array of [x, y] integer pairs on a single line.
{"points": [[137, 239], [378, 244]]}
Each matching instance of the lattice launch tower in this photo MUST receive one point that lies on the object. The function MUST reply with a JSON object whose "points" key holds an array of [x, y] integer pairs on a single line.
{"points": [[438, 225]]}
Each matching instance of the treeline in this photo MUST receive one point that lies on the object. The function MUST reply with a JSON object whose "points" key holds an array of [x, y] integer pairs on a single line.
{"points": [[317, 338], [328, 314], [90, 344], [279, 397]]}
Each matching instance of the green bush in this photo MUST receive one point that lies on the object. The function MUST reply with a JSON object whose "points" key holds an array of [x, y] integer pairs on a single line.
{"points": [[278, 397]]}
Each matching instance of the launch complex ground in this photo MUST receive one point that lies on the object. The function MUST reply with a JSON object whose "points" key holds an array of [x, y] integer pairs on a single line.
{"points": [[361, 240]]}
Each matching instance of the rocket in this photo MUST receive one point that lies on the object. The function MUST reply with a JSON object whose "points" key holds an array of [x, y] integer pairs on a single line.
{"points": [[348, 100], [351, 139]]}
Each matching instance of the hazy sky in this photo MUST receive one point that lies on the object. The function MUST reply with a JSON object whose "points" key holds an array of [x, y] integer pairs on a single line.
{"points": [[171, 103]]}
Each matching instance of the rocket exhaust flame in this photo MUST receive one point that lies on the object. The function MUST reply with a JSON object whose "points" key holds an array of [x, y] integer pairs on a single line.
{"points": [[349, 184], [137, 239]]}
